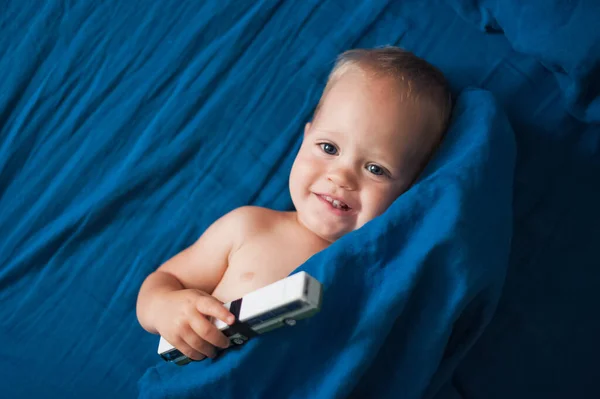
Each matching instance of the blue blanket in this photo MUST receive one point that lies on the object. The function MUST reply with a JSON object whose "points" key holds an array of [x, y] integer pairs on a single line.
{"points": [[562, 35], [404, 297], [127, 127]]}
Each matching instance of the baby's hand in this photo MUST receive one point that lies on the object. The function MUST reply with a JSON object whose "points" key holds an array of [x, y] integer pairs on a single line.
{"points": [[183, 319]]}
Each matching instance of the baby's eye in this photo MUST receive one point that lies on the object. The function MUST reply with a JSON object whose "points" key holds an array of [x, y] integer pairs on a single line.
{"points": [[375, 169], [328, 148]]}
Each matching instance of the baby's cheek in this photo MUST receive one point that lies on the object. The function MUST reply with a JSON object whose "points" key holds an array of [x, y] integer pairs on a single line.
{"points": [[382, 200], [302, 178], [311, 169]]}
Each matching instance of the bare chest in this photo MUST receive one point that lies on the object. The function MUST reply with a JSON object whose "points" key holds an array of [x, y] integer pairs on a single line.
{"points": [[260, 262]]}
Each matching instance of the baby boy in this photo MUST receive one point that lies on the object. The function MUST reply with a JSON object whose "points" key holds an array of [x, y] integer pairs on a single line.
{"points": [[381, 116]]}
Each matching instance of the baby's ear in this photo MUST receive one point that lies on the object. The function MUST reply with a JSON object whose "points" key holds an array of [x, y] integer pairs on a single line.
{"points": [[307, 128]]}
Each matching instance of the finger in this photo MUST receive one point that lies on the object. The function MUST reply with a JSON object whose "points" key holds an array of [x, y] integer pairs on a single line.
{"points": [[199, 344], [187, 350], [202, 293], [209, 306], [207, 331]]}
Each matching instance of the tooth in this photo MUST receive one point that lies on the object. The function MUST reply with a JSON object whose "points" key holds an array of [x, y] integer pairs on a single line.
{"points": [[328, 198], [336, 203]]}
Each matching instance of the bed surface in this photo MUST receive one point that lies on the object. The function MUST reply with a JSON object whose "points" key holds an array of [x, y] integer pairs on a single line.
{"points": [[118, 121]]}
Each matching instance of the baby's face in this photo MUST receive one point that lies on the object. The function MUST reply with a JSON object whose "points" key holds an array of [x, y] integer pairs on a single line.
{"points": [[358, 155]]}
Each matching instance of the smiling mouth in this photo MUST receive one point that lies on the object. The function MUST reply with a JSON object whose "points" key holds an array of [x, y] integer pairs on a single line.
{"points": [[336, 203]]}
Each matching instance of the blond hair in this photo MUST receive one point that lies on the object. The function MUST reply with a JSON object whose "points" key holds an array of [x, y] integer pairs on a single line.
{"points": [[421, 80]]}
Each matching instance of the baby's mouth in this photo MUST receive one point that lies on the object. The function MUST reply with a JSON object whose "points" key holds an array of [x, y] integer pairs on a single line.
{"points": [[336, 203]]}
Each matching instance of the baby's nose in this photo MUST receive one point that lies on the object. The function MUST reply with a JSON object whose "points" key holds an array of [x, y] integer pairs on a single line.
{"points": [[343, 178]]}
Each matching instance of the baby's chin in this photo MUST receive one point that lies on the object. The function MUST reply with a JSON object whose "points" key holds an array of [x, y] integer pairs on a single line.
{"points": [[326, 232]]}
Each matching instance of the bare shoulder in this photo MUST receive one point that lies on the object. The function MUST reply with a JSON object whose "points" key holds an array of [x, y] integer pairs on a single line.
{"points": [[236, 226], [253, 219]]}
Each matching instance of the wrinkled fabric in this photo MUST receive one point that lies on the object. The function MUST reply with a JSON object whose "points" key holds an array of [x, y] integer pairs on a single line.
{"points": [[562, 35], [127, 128]]}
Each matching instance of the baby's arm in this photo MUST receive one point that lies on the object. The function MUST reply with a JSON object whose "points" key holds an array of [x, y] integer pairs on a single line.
{"points": [[174, 301]]}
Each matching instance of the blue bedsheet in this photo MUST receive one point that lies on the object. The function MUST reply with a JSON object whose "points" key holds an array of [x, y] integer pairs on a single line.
{"points": [[126, 128]]}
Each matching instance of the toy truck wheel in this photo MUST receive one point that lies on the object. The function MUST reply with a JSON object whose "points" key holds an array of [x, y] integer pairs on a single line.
{"points": [[238, 341], [290, 322]]}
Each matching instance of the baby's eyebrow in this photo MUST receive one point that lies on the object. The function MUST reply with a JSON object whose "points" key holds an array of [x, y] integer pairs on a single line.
{"points": [[381, 155], [328, 131]]}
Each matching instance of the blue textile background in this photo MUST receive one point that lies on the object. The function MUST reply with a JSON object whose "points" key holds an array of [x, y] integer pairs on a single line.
{"points": [[126, 128]]}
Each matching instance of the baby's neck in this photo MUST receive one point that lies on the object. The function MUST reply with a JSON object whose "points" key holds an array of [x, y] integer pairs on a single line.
{"points": [[307, 234]]}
